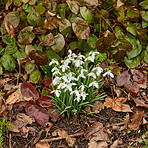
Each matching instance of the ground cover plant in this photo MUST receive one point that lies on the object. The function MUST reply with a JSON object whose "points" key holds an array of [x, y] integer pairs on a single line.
{"points": [[58, 60]]}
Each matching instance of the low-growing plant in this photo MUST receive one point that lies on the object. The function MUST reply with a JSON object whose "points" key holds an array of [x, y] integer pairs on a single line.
{"points": [[4, 126], [76, 81]]}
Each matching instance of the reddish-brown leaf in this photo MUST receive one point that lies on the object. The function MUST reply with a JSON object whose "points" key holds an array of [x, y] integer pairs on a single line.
{"points": [[48, 81], [140, 103], [41, 116], [42, 145], [132, 88], [136, 120], [123, 78], [97, 126], [30, 108], [62, 133], [28, 90], [45, 101], [139, 76]]}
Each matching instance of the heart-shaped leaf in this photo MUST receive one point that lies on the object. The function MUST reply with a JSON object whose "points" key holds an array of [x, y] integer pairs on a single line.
{"points": [[45, 101], [60, 43], [28, 90], [35, 77], [10, 49], [8, 62], [26, 36], [123, 78], [49, 40], [73, 6], [41, 116], [81, 28]]}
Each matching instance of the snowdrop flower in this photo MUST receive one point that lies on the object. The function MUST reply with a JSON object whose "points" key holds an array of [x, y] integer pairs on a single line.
{"points": [[98, 70], [53, 62], [78, 95], [108, 73], [94, 83], [92, 56], [62, 86], [54, 69], [70, 77], [92, 74], [83, 95], [71, 55], [81, 57], [64, 67], [69, 86], [56, 72], [57, 92], [78, 62], [82, 88], [56, 80]]}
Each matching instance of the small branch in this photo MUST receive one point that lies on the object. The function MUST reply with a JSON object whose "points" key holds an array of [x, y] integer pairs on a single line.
{"points": [[60, 138]]}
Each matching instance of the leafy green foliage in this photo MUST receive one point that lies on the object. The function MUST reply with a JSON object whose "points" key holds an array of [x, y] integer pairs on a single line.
{"points": [[118, 29]]}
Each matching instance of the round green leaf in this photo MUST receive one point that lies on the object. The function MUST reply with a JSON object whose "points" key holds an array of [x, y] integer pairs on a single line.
{"points": [[144, 4], [86, 14], [119, 32], [135, 51], [144, 24], [132, 12], [92, 40], [10, 49], [73, 6], [8, 62], [50, 53], [131, 28], [132, 63], [145, 15], [39, 8], [13, 18], [6, 39], [29, 67], [26, 36], [27, 8], [35, 77], [60, 43], [32, 18]]}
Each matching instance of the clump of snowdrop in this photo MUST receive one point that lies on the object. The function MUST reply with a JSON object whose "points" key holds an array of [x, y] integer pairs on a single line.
{"points": [[75, 83]]}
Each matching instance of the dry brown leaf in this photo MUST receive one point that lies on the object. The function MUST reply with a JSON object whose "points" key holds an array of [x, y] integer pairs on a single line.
{"points": [[42, 145], [12, 98], [24, 118], [140, 103], [94, 144], [117, 143], [97, 106], [136, 120], [62, 133], [116, 104], [71, 141], [10, 29], [100, 136], [97, 126], [54, 115], [92, 2]]}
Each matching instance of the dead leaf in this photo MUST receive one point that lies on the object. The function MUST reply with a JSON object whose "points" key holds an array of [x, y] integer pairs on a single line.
{"points": [[100, 136], [71, 141], [94, 144], [97, 106], [62, 133], [92, 2], [140, 103], [117, 143], [119, 3], [10, 29], [12, 98], [116, 104], [136, 120], [97, 126], [42, 145]]}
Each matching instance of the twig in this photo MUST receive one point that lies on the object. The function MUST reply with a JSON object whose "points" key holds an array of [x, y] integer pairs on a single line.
{"points": [[10, 140], [60, 138]]}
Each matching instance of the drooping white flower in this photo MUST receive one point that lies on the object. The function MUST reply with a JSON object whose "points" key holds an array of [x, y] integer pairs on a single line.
{"points": [[94, 83], [56, 81], [78, 95], [53, 62], [81, 57], [82, 87], [83, 95], [98, 70], [108, 73], [64, 67], [57, 92], [78, 62], [56, 72], [92, 75], [54, 69], [62, 86]]}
